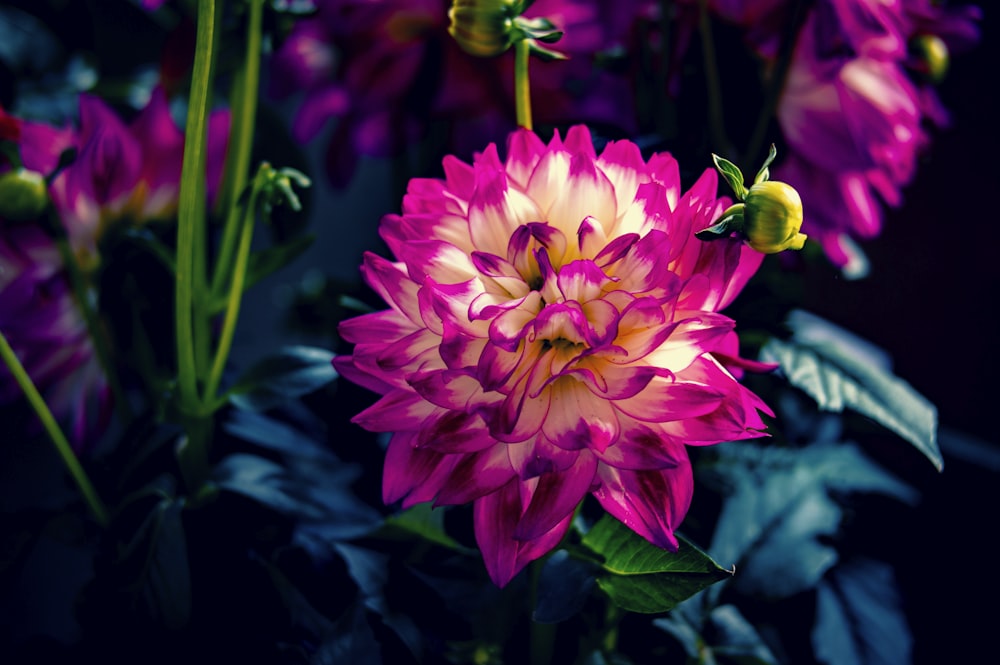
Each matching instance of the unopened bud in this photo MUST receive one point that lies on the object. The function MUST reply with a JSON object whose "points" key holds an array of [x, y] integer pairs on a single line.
{"points": [[772, 217], [23, 195], [932, 57], [483, 27]]}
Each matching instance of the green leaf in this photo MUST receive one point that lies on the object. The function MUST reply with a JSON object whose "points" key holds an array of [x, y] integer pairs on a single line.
{"points": [[732, 174], [273, 258], [427, 522], [640, 577], [838, 370], [764, 172], [295, 371]]}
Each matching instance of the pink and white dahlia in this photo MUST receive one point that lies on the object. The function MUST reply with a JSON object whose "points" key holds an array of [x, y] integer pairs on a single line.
{"points": [[552, 332]]}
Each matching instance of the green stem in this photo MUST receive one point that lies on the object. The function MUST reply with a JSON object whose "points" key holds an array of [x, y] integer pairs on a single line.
{"points": [[236, 287], [52, 429], [522, 86], [191, 205], [713, 85], [776, 83], [244, 105]]}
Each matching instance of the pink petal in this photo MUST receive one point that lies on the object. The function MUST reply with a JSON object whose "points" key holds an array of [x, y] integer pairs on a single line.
{"points": [[664, 400], [651, 503], [556, 496]]}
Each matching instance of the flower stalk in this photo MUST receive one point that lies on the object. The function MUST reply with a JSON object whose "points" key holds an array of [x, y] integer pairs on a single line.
{"points": [[191, 206], [56, 435], [522, 83]]}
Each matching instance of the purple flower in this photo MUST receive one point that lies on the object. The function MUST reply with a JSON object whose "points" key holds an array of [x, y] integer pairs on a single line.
{"points": [[385, 72], [552, 333]]}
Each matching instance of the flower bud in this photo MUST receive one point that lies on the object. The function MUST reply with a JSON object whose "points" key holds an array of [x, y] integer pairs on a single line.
{"points": [[23, 195], [773, 217], [482, 27], [932, 56]]}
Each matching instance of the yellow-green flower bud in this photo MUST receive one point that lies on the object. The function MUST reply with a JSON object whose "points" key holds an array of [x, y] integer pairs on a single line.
{"points": [[23, 195], [932, 56], [482, 27], [772, 217]]}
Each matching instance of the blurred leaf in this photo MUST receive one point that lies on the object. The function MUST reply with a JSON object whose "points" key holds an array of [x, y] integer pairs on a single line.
{"points": [[351, 641], [563, 587], [273, 434], [961, 445], [426, 521], [148, 241], [273, 258], [733, 638], [839, 370], [266, 482], [778, 514], [369, 570], [157, 556], [25, 42], [640, 577], [859, 618], [295, 371]]}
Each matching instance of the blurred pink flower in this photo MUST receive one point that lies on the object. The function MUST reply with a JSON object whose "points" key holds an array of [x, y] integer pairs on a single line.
{"points": [[126, 172], [389, 74], [552, 333], [38, 311], [855, 118]]}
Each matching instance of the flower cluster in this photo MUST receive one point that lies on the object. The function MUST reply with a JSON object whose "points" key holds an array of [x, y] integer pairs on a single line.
{"points": [[126, 174], [554, 331]]}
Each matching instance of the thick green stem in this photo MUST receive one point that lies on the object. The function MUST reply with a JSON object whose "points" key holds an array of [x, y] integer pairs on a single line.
{"points": [[52, 429], [237, 284], [522, 84], [191, 204], [713, 85], [244, 105]]}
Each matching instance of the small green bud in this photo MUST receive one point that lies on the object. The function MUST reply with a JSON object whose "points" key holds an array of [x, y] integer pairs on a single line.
{"points": [[772, 217], [483, 27], [23, 195], [932, 56]]}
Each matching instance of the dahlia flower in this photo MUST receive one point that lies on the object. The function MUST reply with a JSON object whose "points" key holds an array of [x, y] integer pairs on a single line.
{"points": [[387, 71], [552, 332]]}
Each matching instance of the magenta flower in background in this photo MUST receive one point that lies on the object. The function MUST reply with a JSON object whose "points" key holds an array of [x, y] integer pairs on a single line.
{"points": [[551, 333], [41, 320], [387, 72], [39, 315], [127, 172]]}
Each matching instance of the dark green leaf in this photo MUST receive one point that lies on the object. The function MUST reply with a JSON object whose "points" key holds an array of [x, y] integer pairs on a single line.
{"points": [[839, 370], [859, 618], [148, 241], [293, 372], [273, 434], [640, 577], [563, 587]]}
